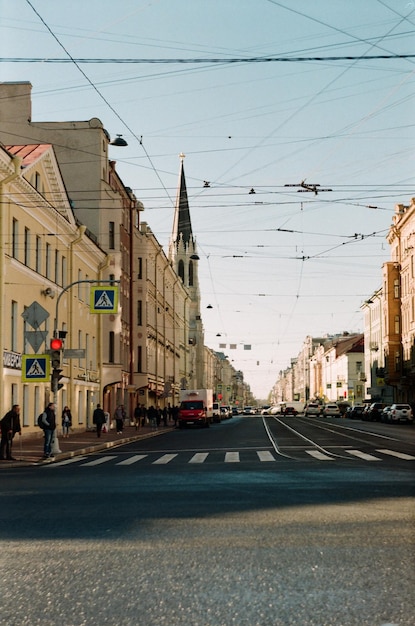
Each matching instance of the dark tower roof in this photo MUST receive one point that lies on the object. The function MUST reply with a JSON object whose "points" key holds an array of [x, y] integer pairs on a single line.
{"points": [[182, 225]]}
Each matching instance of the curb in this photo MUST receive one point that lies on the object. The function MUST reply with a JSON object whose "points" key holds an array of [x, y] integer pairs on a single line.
{"points": [[87, 450]]}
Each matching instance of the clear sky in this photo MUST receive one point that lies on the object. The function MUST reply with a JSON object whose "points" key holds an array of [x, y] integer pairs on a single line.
{"points": [[275, 265]]}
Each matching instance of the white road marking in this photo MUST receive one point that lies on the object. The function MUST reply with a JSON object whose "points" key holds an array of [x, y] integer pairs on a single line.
{"points": [[132, 459], [199, 457], [232, 457], [319, 455], [265, 455], [363, 455], [73, 459], [166, 458], [399, 455], [102, 459]]}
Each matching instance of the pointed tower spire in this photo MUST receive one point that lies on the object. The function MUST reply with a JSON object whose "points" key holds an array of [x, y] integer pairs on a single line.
{"points": [[182, 226]]}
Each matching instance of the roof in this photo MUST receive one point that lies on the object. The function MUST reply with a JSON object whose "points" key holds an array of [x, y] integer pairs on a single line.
{"points": [[182, 226], [29, 153]]}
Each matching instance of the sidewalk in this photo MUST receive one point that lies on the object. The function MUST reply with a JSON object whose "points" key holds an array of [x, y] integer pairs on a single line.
{"points": [[29, 450]]}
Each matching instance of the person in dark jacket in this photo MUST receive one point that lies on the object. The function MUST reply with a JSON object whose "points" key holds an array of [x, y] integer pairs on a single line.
{"points": [[66, 421], [49, 426], [9, 425], [98, 418]]}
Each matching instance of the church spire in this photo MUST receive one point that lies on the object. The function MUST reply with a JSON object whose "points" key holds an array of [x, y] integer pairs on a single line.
{"points": [[182, 226]]}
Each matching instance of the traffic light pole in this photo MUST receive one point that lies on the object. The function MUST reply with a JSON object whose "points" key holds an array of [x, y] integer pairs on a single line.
{"points": [[55, 376]]}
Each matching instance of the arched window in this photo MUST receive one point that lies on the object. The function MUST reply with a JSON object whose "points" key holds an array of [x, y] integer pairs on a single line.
{"points": [[190, 273], [181, 270]]}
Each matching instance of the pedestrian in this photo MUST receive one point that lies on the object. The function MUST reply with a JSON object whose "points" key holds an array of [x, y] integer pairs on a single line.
{"points": [[158, 416], [98, 418], [164, 415], [119, 418], [175, 415], [137, 417], [152, 416], [143, 415], [66, 421], [48, 424], [170, 412], [9, 425]]}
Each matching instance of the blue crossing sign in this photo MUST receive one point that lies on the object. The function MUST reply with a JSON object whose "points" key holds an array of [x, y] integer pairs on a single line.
{"points": [[35, 368], [104, 300]]}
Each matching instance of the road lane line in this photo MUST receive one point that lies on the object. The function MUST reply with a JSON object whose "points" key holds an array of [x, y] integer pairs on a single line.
{"points": [[102, 459], [199, 457], [132, 459], [319, 455], [399, 455], [265, 455], [163, 460], [363, 455], [232, 457]]}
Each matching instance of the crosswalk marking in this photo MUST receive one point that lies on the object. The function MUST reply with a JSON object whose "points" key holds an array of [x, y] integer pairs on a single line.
{"points": [[232, 457], [199, 457], [227, 457], [73, 459], [265, 455], [399, 455], [166, 458], [132, 459], [102, 459], [319, 455], [363, 455]]}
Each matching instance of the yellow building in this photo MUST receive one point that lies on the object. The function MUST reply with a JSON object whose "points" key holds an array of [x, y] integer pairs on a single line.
{"points": [[43, 251]]}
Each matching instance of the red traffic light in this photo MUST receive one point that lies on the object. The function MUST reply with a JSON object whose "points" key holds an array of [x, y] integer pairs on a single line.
{"points": [[56, 344]]}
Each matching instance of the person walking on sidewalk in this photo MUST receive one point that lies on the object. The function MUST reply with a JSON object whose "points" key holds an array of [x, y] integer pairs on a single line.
{"points": [[66, 421], [48, 423], [119, 418], [98, 418], [9, 425], [137, 417]]}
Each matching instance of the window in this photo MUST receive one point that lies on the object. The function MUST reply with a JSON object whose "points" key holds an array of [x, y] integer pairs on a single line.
{"points": [[397, 324], [64, 271], [27, 247], [38, 260], [191, 274], [139, 267], [48, 260], [111, 235], [181, 270], [14, 320], [139, 312], [15, 237], [111, 347], [57, 268], [396, 288], [139, 359]]}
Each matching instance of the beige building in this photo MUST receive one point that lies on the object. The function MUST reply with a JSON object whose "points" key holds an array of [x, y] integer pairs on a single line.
{"points": [[43, 251], [399, 290]]}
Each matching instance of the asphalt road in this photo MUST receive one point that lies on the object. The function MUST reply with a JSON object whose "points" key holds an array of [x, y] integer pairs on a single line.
{"points": [[252, 522]]}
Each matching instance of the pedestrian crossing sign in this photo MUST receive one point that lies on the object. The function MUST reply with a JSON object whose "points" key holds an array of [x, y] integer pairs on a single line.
{"points": [[35, 368], [104, 299]]}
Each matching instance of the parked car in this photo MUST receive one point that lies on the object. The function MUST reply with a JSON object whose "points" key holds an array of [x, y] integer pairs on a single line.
{"points": [[331, 410], [355, 412], [374, 412], [312, 409], [274, 410], [290, 410], [265, 410], [226, 412], [249, 410], [235, 410], [401, 413], [385, 415]]}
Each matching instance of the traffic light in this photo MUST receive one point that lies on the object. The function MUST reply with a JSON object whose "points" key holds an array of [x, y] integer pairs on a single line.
{"points": [[56, 377], [56, 348], [56, 351]]}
